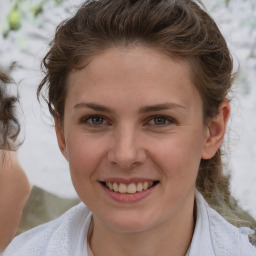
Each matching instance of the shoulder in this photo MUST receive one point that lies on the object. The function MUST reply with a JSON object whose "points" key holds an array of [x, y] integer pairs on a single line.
{"points": [[226, 239], [53, 238], [13, 180], [229, 238]]}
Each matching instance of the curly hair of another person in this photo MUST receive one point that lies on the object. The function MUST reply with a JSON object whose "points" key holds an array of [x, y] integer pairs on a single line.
{"points": [[9, 124]]}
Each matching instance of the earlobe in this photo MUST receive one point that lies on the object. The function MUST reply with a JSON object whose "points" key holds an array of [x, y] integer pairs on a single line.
{"points": [[215, 132], [60, 137]]}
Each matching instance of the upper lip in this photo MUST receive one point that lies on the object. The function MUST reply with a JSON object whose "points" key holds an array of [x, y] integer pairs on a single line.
{"points": [[127, 181]]}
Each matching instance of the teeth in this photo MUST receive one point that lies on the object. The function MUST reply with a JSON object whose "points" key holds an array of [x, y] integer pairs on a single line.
{"points": [[129, 188], [122, 188], [139, 186], [115, 187], [145, 185]]}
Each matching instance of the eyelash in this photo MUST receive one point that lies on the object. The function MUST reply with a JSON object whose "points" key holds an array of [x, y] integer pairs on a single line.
{"points": [[89, 121], [164, 118], [86, 120]]}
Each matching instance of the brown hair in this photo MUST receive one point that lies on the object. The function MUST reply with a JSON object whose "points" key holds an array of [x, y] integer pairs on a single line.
{"points": [[179, 28], [9, 124]]}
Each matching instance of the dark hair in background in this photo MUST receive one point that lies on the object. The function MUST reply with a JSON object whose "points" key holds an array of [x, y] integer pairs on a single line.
{"points": [[9, 125]]}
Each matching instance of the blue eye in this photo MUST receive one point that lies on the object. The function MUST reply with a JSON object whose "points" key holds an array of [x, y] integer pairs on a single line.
{"points": [[97, 120], [94, 120], [161, 121]]}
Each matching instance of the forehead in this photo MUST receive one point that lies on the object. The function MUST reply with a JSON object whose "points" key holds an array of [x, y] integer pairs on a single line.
{"points": [[133, 74]]}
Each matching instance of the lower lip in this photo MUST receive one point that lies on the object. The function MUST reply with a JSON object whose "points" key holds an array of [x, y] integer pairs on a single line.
{"points": [[129, 198]]}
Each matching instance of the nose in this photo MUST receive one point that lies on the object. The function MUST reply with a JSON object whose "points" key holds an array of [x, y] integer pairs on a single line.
{"points": [[126, 151]]}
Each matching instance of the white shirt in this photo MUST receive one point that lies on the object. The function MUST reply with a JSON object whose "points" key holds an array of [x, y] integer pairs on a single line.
{"points": [[90, 253], [67, 236]]}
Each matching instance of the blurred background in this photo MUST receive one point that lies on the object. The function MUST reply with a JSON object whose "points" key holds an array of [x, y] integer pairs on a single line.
{"points": [[26, 29]]}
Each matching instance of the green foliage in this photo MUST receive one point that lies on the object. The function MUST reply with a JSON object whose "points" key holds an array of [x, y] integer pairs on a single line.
{"points": [[21, 10], [227, 2], [14, 19], [37, 10], [58, 1]]}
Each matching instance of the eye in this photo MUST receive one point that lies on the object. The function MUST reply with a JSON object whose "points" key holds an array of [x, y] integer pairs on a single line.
{"points": [[161, 121], [94, 120]]}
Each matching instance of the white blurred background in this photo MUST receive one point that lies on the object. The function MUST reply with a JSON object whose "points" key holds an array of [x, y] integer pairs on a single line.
{"points": [[27, 27]]}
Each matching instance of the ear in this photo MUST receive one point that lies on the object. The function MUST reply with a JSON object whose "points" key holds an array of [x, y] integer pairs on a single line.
{"points": [[60, 137], [215, 131]]}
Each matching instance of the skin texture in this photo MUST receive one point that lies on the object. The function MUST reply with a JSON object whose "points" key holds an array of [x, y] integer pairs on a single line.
{"points": [[14, 192], [132, 139]]}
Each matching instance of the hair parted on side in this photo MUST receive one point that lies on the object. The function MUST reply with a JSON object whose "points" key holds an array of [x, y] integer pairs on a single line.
{"points": [[9, 124], [178, 28]]}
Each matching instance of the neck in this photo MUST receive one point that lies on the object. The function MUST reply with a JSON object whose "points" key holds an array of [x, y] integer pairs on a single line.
{"points": [[170, 238]]}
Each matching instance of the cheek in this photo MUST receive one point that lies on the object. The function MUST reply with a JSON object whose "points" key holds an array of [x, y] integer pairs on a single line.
{"points": [[84, 155], [178, 157]]}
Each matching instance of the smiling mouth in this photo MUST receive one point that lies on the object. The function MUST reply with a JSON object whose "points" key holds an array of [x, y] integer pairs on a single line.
{"points": [[130, 188]]}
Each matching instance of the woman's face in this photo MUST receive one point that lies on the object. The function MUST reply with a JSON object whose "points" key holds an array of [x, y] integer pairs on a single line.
{"points": [[133, 135]]}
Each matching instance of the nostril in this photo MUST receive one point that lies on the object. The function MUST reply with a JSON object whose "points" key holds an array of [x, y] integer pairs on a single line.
{"points": [[126, 155], [125, 164]]}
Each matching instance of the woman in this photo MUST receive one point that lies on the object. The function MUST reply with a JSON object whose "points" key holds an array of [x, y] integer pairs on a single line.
{"points": [[14, 185], [138, 91]]}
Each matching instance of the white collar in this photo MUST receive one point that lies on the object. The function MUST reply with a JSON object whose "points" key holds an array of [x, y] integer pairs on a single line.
{"points": [[214, 236]]}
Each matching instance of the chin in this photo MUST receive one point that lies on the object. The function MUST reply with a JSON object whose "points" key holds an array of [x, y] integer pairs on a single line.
{"points": [[128, 223]]}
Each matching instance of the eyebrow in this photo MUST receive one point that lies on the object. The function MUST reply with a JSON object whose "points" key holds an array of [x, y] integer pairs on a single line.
{"points": [[94, 106], [145, 109], [159, 107]]}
